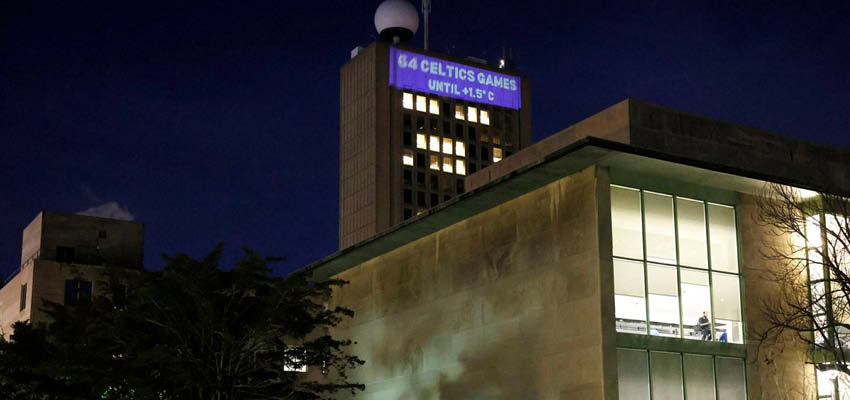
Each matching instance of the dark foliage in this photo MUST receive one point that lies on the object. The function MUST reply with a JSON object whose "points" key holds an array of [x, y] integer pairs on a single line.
{"points": [[191, 331]]}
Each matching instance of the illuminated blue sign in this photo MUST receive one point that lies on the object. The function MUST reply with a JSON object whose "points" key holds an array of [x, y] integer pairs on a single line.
{"points": [[418, 72]]}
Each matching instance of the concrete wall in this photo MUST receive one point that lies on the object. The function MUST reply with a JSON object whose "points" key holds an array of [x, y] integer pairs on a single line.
{"points": [[10, 300], [506, 304], [776, 370]]}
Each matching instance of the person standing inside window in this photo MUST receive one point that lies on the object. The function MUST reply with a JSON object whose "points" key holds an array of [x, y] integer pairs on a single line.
{"points": [[705, 326]]}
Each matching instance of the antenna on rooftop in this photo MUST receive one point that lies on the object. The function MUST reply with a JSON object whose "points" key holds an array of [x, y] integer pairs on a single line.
{"points": [[426, 11]]}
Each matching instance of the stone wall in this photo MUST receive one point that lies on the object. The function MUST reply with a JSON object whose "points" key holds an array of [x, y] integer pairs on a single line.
{"points": [[510, 303], [775, 370]]}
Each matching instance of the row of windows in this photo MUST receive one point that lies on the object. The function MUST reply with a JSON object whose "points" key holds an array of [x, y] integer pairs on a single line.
{"points": [[437, 163], [432, 106], [456, 147], [445, 184], [433, 127], [644, 375], [675, 266]]}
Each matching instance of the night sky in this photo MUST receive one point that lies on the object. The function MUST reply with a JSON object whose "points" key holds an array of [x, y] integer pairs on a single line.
{"points": [[214, 121]]}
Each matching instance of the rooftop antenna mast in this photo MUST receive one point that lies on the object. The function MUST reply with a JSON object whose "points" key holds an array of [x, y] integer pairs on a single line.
{"points": [[426, 10]]}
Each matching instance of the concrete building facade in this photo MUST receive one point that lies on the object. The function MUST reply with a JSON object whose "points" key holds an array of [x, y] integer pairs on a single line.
{"points": [[63, 257], [581, 268], [403, 151]]}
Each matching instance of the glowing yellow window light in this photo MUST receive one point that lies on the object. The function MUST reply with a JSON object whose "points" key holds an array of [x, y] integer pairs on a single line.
{"points": [[497, 154], [421, 142], [460, 149], [447, 146], [407, 158], [447, 164], [407, 100], [472, 114], [420, 103], [460, 167], [485, 117], [434, 107], [458, 111], [435, 162], [434, 143]]}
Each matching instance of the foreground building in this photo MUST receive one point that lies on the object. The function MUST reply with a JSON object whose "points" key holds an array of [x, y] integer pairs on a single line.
{"points": [[62, 258], [580, 268]]}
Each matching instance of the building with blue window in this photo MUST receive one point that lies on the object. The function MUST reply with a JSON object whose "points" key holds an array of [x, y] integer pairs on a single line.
{"points": [[620, 258]]}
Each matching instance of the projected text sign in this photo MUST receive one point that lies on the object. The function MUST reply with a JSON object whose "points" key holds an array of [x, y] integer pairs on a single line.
{"points": [[445, 78]]}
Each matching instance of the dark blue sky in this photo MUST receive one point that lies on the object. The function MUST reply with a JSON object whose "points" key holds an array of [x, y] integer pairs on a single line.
{"points": [[215, 121]]}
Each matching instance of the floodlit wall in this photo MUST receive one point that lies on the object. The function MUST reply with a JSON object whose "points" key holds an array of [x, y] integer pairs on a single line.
{"points": [[774, 370], [515, 302], [10, 300]]}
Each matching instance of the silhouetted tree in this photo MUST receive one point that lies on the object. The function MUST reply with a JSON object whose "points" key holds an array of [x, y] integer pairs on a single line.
{"points": [[812, 274], [190, 331]]}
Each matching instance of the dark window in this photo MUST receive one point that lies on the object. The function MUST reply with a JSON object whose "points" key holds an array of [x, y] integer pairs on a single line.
{"points": [[420, 160], [435, 199], [447, 110], [484, 153], [420, 124], [420, 178], [447, 198], [484, 164], [434, 182], [408, 196], [434, 125], [508, 153], [65, 254], [472, 168], [459, 130], [509, 123], [470, 150], [101, 235], [459, 185], [447, 128], [420, 199], [471, 135], [408, 177], [496, 119], [408, 139], [407, 121], [77, 290], [23, 297], [407, 213]]}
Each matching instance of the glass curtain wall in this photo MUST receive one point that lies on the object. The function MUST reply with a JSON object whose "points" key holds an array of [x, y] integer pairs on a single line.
{"points": [[656, 375], [676, 269]]}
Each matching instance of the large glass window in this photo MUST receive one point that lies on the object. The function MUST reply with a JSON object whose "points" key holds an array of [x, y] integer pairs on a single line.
{"points": [[665, 248], [633, 374], [626, 225], [629, 299], [644, 375]]}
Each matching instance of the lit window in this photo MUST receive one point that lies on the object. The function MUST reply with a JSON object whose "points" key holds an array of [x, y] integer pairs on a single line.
{"points": [[447, 164], [435, 143], [485, 138], [434, 107], [421, 142], [435, 162], [688, 294], [497, 140], [472, 114], [458, 111], [460, 149], [447, 146], [420, 103], [460, 167], [485, 117], [407, 100], [407, 158], [497, 154]]}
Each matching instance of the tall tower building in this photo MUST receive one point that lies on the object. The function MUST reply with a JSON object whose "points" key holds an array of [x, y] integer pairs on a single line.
{"points": [[414, 123]]}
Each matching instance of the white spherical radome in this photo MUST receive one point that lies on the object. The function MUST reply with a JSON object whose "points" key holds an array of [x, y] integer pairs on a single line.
{"points": [[393, 16]]}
